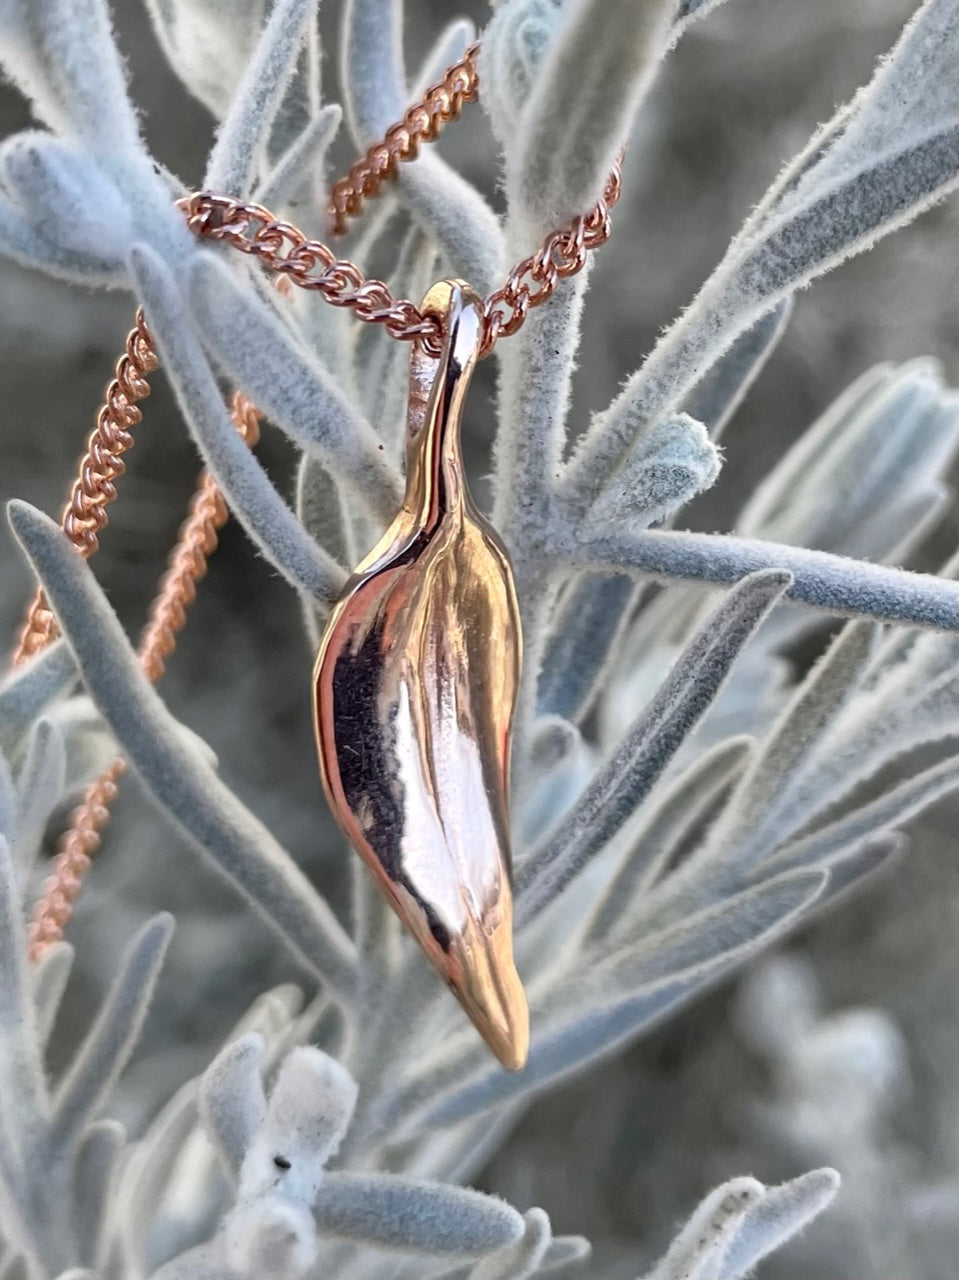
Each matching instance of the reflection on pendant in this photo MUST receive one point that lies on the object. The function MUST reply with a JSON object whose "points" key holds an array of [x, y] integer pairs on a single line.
{"points": [[415, 686]]}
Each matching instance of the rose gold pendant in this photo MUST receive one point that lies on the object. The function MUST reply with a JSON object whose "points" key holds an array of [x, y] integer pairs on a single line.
{"points": [[415, 687]]}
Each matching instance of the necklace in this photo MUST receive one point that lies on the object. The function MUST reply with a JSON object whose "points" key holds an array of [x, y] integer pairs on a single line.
{"points": [[418, 668]]}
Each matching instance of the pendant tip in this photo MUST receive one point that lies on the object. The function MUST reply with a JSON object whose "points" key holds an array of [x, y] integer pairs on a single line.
{"points": [[515, 1050], [507, 1030], [490, 991]]}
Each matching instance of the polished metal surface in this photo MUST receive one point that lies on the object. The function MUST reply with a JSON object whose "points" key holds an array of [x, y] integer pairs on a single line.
{"points": [[415, 686]]}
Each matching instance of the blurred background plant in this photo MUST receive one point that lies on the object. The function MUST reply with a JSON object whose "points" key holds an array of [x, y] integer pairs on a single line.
{"points": [[697, 773]]}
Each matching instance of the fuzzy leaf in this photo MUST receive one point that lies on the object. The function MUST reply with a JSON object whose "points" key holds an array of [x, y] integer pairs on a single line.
{"points": [[520, 1258], [912, 95], [721, 390], [149, 1168], [258, 352], [627, 777], [61, 191], [299, 106], [669, 464], [49, 981], [405, 1214], [29, 689], [448, 47], [23, 1092], [205, 1262], [586, 630], [866, 859], [894, 535], [208, 44], [892, 433], [386, 378], [323, 508], [894, 806], [23, 241], [862, 175], [595, 72], [62, 55], [232, 1102], [697, 1251], [248, 490], [757, 817], [90, 747], [104, 1053], [832, 583], [19, 1217], [534, 390], [636, 958], [560, 765], [377, 936], [910, 707], [679, 810], [241, 144], [306, 155], [8, 803], [185, 785], [269, 1238], [563, 1253], [40, 788], [696, 8], [514, 44], [777, 1217], [311, 1105], [98, 1155]]}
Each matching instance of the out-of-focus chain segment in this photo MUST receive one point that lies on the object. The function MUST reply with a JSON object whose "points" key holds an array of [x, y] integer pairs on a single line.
{"points": [[85, 514], [195, 544]]}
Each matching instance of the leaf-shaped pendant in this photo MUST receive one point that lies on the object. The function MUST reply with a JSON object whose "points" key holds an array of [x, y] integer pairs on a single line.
{"points": [[415, 686]]}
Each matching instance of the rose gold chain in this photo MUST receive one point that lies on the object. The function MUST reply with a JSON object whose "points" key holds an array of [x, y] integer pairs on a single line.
{"points": [[423, 122], [196, 542], [77, 846], [310, 264], [94, 489], [283, 248], [534, 279]]}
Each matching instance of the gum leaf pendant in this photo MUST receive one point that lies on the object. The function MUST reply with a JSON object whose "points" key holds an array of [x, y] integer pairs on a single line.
{"points": [[415, 686]]}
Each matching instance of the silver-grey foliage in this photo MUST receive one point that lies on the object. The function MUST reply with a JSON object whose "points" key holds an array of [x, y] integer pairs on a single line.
{"points": [[680, 801]]}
